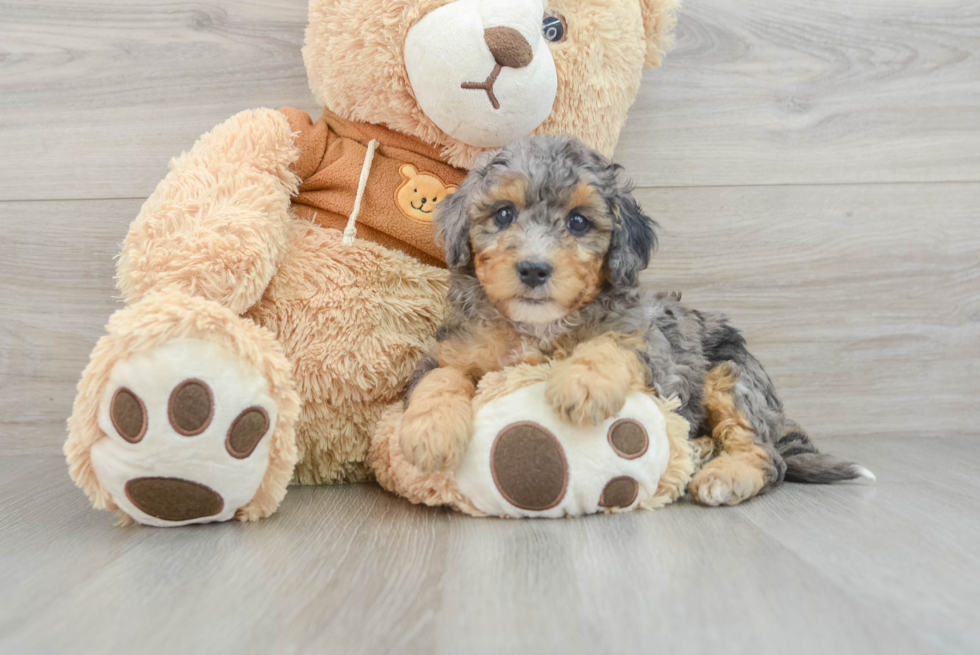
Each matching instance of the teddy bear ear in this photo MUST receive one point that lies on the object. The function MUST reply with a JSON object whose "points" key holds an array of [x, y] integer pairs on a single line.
{"points": [[659, 19], [451, 188], [408, 171]]}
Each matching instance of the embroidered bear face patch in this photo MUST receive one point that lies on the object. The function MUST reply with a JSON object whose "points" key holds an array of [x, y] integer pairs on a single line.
{"points": [[420, 193]]}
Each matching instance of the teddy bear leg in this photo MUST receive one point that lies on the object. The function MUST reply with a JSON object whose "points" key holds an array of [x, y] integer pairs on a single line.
{"points": [[185, 411], [184, 414], [354, 320]]}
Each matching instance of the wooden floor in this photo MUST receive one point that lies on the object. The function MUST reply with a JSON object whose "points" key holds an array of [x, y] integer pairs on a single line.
{"points": [[815, 167], [844, 569]]}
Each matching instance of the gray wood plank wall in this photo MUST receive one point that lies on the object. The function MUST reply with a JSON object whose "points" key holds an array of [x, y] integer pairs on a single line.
{"points": [[815, 166]]}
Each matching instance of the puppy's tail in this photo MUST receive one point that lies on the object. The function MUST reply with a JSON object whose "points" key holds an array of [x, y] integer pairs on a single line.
{"points": [[804, 463]]}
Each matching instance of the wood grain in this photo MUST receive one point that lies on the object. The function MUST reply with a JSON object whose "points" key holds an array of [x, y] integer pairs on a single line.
{"points": [[902, 531], [56, 293], [828, 92], [96, 97], [813, 569]]}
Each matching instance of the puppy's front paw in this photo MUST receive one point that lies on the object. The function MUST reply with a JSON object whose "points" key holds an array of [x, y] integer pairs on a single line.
{"points": [[582, 397], [435, 434]]}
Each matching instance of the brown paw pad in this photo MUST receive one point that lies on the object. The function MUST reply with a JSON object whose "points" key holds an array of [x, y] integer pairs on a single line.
{"points": [[173, 499], [128, 415], [529, 467], [619, 492], [628, 438], [191, 407], [246, 432]]}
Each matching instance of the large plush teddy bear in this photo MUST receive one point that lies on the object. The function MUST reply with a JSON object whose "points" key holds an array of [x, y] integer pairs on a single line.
{"points": [[283, 280]]}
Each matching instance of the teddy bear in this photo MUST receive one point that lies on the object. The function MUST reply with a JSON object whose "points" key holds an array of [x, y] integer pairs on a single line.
{"points": [[539, 465], [283, 279]]}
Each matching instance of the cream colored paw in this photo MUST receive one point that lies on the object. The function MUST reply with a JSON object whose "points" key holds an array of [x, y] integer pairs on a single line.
{"points": [[726, 480], [525, 461], [582, 398], [187, 434]]}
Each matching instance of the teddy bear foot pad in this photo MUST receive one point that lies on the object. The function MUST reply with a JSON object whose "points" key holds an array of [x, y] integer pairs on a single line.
{"points": [[530, 470], [186, 434], [542, 466]]}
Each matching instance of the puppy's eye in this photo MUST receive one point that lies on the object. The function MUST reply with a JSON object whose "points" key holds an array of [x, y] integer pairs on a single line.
{"points": [[504, 216], [554, 27], [578, 224]]}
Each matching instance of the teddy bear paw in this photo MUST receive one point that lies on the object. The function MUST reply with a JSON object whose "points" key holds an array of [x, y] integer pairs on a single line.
{"points": [[187, 434], [541, 466]]}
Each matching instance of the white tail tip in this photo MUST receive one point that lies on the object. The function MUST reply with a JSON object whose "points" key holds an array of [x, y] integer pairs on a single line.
{"points": [[864, 474]]}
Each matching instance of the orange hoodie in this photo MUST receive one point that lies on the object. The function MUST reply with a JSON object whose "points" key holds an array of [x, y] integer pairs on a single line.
{"points": [[405, 182]]}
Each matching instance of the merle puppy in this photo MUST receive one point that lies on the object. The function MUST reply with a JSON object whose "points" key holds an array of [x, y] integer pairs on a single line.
{"points": [[545, 245]]}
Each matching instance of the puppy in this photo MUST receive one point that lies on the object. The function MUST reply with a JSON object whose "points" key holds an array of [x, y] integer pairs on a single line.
{"points": [[545, 245]]}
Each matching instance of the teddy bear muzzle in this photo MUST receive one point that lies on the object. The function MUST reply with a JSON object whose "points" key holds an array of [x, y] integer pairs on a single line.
{"points": [[482, 69]]}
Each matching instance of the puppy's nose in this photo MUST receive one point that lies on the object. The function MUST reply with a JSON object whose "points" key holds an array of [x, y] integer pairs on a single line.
{"points": [[534, 274], [508, 47]]}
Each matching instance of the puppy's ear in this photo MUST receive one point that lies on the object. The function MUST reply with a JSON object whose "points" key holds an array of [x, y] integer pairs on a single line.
{"points": [[633, 240], [451, 220], [633, 237], [453, 226]]}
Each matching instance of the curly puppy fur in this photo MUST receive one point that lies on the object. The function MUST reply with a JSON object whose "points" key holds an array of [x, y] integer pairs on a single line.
{"points": [[545, 245]]}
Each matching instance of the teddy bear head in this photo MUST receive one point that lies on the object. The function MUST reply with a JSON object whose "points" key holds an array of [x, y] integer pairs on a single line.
{"points": [[471, 75]]}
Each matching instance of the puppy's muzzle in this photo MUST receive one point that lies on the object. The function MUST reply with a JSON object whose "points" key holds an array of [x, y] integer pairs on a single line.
{"points": [[534, 274]]}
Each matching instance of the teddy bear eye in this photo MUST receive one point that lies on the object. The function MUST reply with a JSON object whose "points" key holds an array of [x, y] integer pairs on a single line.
{"points": [[504, 216], [554, 27]]}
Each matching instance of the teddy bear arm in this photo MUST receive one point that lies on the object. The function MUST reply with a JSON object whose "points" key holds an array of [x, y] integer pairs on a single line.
{"points": [[218, 225]]}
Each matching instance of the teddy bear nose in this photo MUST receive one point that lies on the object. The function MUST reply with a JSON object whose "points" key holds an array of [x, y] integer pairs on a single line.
{"points": [[508, 46]]}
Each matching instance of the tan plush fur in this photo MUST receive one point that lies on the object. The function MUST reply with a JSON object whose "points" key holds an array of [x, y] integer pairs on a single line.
{"points": [[152, 322], [217, 252], [367, 81], [353, 320], [216, 226], [659, 19], [680, 467]]}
